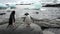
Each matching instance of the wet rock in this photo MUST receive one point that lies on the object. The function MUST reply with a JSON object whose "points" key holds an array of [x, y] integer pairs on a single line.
{"points": [[33, 29], [48, 32]]}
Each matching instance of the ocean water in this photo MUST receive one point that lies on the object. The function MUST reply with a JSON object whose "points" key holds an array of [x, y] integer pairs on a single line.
{"points": [[45, 12]]}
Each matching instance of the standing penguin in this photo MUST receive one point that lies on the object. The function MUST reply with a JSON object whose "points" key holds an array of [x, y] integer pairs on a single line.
{"points": [[12, 19], [27, 19]]}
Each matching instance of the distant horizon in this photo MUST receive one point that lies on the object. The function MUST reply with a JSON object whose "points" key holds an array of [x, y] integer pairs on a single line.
{"points": [[16, 1], [26, 1]]}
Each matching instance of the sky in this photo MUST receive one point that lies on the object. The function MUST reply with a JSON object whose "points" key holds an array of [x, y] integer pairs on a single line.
{"points": [[18, 1]]}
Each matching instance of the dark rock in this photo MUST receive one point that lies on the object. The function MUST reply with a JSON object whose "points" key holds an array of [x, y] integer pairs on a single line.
{"points": [[54, 5], [2, 13]]}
